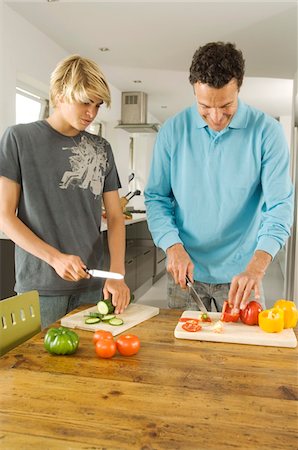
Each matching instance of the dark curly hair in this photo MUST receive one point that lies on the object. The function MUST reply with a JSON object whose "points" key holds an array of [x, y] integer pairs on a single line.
{"points": [[216, 64]]}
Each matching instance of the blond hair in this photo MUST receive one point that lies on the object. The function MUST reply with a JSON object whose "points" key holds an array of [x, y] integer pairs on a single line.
{"points": [[78, 79]]}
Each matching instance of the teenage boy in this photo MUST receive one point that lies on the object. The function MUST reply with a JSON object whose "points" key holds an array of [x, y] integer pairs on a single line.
{"points": [[54, 176]]}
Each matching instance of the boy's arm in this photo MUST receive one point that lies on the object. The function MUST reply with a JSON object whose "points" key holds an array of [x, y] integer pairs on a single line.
{"points": [[68, 267], [116, 242]]}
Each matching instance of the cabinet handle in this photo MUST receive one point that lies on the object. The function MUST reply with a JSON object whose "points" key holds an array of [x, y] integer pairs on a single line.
{"points": [[130, 261], [146, 252]]}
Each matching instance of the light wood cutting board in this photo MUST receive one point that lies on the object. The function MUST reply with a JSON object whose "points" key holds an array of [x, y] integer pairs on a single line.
{"points": [[132, 316], [236, 333]]}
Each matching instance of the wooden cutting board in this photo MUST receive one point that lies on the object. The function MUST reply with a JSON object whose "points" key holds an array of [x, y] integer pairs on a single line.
{"points": [[132, 316], [236, 333]]}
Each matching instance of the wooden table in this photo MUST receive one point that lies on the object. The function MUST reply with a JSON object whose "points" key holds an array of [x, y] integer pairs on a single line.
{"points": [[174, 394]]}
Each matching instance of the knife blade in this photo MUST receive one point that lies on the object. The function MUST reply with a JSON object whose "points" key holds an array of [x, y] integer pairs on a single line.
{"points": [[105, 274], [200, 302]]}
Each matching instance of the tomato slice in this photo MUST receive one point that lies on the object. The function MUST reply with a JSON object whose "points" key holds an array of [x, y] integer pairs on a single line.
{"points": [[192, 325], [186, 319]]}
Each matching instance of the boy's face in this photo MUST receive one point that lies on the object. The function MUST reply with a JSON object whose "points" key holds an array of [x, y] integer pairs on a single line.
{"points": [[77, 116]]}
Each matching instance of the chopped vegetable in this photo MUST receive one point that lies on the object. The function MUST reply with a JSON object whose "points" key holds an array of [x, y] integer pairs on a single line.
{"points": [[61, 341], [218, 327], [192, 325], [116, 321], [107, 307], [227, 315], [108, 317], [272, 320], [92, 320], [290, 312]]}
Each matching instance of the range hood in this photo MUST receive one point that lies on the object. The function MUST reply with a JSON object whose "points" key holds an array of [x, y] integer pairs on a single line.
{"points": [[134, 114]]}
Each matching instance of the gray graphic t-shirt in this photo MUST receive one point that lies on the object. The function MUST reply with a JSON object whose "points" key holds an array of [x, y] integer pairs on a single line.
{"points": [[62, 179]]}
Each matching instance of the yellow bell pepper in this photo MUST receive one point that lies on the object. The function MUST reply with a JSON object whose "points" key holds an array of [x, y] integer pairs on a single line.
{"points": [[271, 320], [290, 312]]}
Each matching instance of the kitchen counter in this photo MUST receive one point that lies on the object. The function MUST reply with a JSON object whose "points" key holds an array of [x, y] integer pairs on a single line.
{"points": [[174, 394], [137, 217]]}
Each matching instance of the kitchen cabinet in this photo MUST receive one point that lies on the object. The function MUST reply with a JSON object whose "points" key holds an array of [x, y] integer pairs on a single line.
{"points": [[7, 270], [139, 256]]}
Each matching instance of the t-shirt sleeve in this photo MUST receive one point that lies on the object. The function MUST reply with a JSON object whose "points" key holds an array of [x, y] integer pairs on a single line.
{"points": [[112, 180], [9, 156]]}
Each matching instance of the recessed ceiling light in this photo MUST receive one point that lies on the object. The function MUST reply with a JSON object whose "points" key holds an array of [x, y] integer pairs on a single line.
{"points": [[137, 81], [104, 49]]}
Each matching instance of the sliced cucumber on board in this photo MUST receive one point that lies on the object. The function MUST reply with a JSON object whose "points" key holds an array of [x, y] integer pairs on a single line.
{"points": [[116, 321], [92, 320], [108, 317]]}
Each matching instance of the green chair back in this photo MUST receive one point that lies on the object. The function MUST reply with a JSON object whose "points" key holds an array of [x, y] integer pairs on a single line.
{"points": [[19, 320]]}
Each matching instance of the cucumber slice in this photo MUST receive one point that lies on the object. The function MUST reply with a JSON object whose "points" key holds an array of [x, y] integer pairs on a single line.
{"points": [[108, 317], [92, 320], [116, 322], [94, 314], [103, 308]]}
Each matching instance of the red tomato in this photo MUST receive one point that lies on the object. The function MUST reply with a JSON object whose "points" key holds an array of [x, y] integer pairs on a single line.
{"points": [[226, 315], [185, 319], [128, 344], [100, 334], [105, 348], [250, 315], [192, 325]]}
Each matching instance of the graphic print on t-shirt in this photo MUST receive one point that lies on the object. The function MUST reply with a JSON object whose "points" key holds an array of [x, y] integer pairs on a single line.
{"points": [[88, 166]]}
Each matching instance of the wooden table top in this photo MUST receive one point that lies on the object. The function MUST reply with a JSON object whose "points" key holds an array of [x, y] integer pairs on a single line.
{"points": [[174, 394]]}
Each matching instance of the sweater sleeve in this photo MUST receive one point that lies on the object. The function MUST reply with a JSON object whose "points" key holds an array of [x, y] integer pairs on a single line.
{"points": [[277, 214], [159, 199]]}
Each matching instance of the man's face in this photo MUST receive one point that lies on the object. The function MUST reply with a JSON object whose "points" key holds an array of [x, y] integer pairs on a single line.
{"points": [[217, 106]]}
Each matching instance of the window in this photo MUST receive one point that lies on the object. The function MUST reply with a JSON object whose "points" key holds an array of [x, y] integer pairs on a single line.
{"points": [[29, 106]]}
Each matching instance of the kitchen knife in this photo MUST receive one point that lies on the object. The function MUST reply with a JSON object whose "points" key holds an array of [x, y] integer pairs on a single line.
{"points": [[198, 298], [104, 274]]}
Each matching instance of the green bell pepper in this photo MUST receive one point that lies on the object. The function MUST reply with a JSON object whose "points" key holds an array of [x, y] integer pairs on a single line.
{"points": [[61, 341]]}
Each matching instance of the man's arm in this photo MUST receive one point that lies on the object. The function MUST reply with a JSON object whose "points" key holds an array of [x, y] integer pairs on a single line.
{"points": [[277, 215], [68, 267], [116, 243], [249, 280]]}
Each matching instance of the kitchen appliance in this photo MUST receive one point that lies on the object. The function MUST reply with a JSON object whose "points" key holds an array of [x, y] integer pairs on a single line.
{"points": [[235, 333], [134, 114], [105, 274], [132, 316]]}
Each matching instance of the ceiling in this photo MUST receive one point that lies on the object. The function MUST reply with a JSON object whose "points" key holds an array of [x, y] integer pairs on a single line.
{"points": [[154, 42]]}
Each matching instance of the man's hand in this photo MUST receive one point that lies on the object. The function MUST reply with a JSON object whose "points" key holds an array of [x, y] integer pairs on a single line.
{"points": [[179, 264], [120, 294], [69, 267], [250, 280]]}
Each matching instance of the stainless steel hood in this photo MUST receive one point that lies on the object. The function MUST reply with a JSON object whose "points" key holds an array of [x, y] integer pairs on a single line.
{"points": [[134, 114]]}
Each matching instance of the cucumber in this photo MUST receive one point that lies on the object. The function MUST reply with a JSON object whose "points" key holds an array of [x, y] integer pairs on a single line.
{"points": [[92, 320], [106, 306], [108, 317], [95, 314], [116, 321], [103, 308]]}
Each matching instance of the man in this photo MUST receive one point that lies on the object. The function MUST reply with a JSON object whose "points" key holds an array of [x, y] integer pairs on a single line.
{"points": [[55, 175], [219, 197]]}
